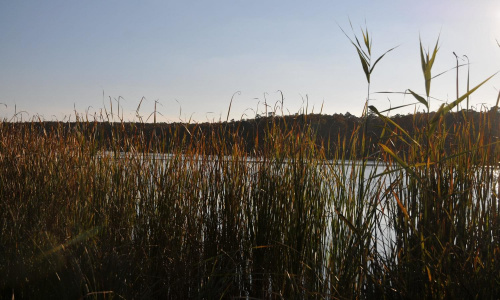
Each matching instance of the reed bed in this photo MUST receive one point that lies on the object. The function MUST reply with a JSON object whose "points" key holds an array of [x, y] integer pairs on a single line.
{"points": [[91, 215]]}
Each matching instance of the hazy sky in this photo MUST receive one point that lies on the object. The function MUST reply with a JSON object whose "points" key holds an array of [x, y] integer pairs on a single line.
{"points": [[192, 56]]}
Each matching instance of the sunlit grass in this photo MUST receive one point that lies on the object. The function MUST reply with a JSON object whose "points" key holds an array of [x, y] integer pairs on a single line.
{"points": [[97, 209]]}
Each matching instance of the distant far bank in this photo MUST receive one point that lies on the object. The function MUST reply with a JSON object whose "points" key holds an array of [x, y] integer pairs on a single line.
{"points": [[331, 131]]}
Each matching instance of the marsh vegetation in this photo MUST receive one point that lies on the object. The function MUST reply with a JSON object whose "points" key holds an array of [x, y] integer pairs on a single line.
{"points": [[274, 221]]}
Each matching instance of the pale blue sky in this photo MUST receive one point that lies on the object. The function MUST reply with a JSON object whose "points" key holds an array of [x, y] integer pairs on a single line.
{"points": [[192, 56]]}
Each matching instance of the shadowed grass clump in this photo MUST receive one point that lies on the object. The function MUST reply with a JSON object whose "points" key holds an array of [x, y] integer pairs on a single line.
{"points": [[203, 220], [442, 201], [442, 205]]}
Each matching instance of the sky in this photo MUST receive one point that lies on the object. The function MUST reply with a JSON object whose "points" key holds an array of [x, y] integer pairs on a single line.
{"points": [[190, 58]]}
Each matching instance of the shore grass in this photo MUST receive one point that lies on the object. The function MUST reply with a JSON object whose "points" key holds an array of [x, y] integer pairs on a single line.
{"points": [[87, 215]]}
